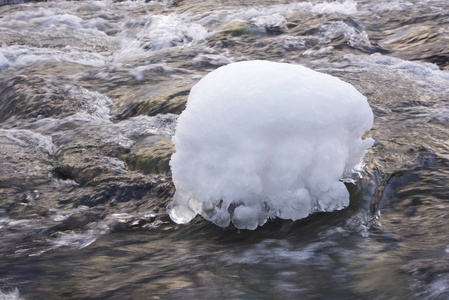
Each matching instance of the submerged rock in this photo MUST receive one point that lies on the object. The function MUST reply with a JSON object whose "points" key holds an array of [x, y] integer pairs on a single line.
{"points": [[151, 156]]}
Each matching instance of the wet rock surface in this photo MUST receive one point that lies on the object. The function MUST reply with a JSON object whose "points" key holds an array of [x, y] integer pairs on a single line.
{"points": [[75, 162], [151, 155]]}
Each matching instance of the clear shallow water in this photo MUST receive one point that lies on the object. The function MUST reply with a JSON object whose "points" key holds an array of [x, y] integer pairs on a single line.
{"points": [[89, 97]]}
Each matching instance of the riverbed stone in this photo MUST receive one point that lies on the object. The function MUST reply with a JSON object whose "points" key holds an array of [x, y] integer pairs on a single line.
{"points": [[151, 156]]}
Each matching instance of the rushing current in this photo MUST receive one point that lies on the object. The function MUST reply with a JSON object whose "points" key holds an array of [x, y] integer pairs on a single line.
{"points": [[90, 94]]}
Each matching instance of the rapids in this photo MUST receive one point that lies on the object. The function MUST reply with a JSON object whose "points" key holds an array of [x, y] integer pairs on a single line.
{"points": [[90, 93]]}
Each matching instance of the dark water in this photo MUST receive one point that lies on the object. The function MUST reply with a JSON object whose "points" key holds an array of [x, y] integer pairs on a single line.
{"points": [[89, 96]]}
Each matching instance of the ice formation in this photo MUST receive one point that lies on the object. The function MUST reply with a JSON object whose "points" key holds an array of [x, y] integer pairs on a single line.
{"points": [[262, 140]]}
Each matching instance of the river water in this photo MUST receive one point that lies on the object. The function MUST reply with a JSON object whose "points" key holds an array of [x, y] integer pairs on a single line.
{"points": [[89, 97]]}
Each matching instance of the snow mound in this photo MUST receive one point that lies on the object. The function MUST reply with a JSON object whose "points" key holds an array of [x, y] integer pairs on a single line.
{"points": [[262, 140]]}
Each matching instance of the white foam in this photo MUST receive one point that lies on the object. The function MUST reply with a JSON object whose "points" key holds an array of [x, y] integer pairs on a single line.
{"points": [[81, 239], [29, 15], [61, 215], [389, 6], [28, 139], [379, 63], [260, 140], [279, 251], [38, 22], [160, 2], [95, 106], [3, 61], [271, 22], [123, 133], [345, 8], [276, 13], [325, 35], [126, 132], [335, 29], [55, 18], [319, 52], [170, 31], [141, 37], [438, 288], [130, 5], [12, 294], [22, 55], [295, 42]]}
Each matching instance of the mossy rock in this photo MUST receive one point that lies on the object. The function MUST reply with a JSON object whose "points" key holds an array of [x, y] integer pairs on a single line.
{"points": [[151, 156], [83, 165], [173, 103], [235, 30], [33, 97]]}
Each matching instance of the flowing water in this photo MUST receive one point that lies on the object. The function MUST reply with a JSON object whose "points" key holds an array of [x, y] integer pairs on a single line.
{"points": [[89, 97]]}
